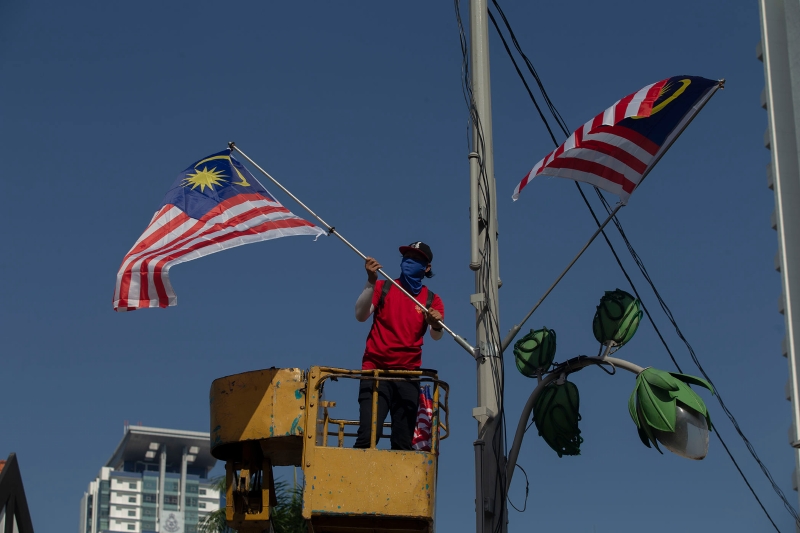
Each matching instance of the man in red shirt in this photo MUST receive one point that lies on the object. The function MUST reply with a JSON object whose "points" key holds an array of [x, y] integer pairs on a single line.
{"points": [[395, 342]]}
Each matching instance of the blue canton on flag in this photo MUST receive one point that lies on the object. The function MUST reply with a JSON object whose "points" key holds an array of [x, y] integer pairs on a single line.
{"points": [[619, 146], [213, 205]]}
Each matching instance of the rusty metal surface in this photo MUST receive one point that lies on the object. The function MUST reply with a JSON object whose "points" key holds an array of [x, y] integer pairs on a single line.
{"points": [[381, 483], [247, 507], [396, 488], [261, 405], [274, 417]]}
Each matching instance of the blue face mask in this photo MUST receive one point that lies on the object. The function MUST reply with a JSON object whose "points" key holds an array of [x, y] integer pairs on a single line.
{"points": [[413, 270]]}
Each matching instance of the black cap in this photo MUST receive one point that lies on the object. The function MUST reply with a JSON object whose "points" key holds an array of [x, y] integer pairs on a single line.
{"points": [[419, 247]]}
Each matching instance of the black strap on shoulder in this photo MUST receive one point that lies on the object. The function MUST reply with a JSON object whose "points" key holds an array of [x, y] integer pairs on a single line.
{"points": [[428, 302], [386, 286], [385, 290]]}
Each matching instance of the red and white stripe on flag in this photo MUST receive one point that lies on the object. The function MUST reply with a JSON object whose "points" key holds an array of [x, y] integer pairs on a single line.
{"points": [[603, 154], [173, 237], [421, 441]]}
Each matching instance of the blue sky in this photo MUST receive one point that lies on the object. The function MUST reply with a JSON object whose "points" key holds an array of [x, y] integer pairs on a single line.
{"points": [[357, 108]]}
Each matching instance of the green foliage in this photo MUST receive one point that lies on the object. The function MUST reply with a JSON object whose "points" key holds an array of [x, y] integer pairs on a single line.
{"points": [[534, 353], [617, 318], [215, 521], [286, 517], [652, 403], [556, 416]]}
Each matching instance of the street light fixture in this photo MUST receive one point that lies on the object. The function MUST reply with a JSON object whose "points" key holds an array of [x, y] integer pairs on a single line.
{"points": [[665, 409], [534, 353], [556, 414], [616, 319], [690, 438], [663, 406]]}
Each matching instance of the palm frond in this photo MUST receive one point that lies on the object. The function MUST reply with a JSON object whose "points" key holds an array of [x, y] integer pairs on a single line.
{"points": [[286, 517]]}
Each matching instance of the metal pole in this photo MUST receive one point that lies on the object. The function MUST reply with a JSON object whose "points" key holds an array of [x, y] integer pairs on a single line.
{"points": [[574, 366], [513, 332], [492, 511], [332, 230], [478, 445], [474, 176]]}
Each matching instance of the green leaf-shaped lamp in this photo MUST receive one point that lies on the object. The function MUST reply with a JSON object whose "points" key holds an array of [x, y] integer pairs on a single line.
{"points": [[556, 416], [617, 318], [534, 353], [665, 409]]}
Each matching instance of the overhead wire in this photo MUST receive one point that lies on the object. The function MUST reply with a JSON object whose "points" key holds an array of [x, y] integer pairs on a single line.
{"points": [[527, 489], [671, 318], [675, 362], [550, 105], [562, 124], [524, 81]]}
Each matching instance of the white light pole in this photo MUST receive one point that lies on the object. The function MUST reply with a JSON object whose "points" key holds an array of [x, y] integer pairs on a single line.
{"points": [[490, 504]]}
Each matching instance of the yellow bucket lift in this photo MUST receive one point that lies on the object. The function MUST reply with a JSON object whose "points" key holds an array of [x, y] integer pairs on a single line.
{"points": [[280, 417]]}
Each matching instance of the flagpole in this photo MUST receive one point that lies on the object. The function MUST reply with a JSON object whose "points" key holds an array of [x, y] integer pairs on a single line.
{"points": [[666, 146], [332, 230], [515, 329]]}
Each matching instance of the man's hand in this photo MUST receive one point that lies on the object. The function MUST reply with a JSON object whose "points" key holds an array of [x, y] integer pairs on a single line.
{"points": [[433, 318], [372, 267]]}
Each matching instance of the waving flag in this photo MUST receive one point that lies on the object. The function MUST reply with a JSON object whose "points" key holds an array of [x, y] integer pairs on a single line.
{"points": [[618, 147], [214, 204]]}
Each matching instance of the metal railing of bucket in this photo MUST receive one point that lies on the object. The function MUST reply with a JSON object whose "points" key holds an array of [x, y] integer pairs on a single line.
{"points": [[440, 402]]}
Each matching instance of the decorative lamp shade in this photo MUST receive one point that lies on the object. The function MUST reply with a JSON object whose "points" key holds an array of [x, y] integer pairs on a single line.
{"points": [[665, 409], [690, 438], [556, 415], [534, 353], [617, 318]]}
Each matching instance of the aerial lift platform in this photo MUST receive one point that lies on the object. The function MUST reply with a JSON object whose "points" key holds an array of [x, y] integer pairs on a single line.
{"points": [[281, 417]]}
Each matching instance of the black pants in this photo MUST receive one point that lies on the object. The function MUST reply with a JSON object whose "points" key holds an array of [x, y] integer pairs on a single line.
{"points": [[401, 399]]}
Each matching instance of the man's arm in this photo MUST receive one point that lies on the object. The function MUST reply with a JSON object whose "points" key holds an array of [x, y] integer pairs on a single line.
{"points": [[364, 306]]}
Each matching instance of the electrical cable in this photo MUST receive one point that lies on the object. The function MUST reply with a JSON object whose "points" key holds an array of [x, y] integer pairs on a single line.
{"points": [[527, 487], [485, 279], [719, 437], [524, 81], [556, 115], [559, 119], [696, 361], [628, 278], [672, 357]]}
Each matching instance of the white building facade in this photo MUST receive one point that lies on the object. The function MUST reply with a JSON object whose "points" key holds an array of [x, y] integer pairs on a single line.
{"points": [[156, 481], [779, 50]]}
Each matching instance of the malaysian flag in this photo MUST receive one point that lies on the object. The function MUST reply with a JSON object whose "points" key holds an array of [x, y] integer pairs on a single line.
{"points": [[214, 204], [618, 147], [421, 441]]}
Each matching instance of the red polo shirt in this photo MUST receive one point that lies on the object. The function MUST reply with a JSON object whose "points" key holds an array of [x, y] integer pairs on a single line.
{"points": [[395, 340]]}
